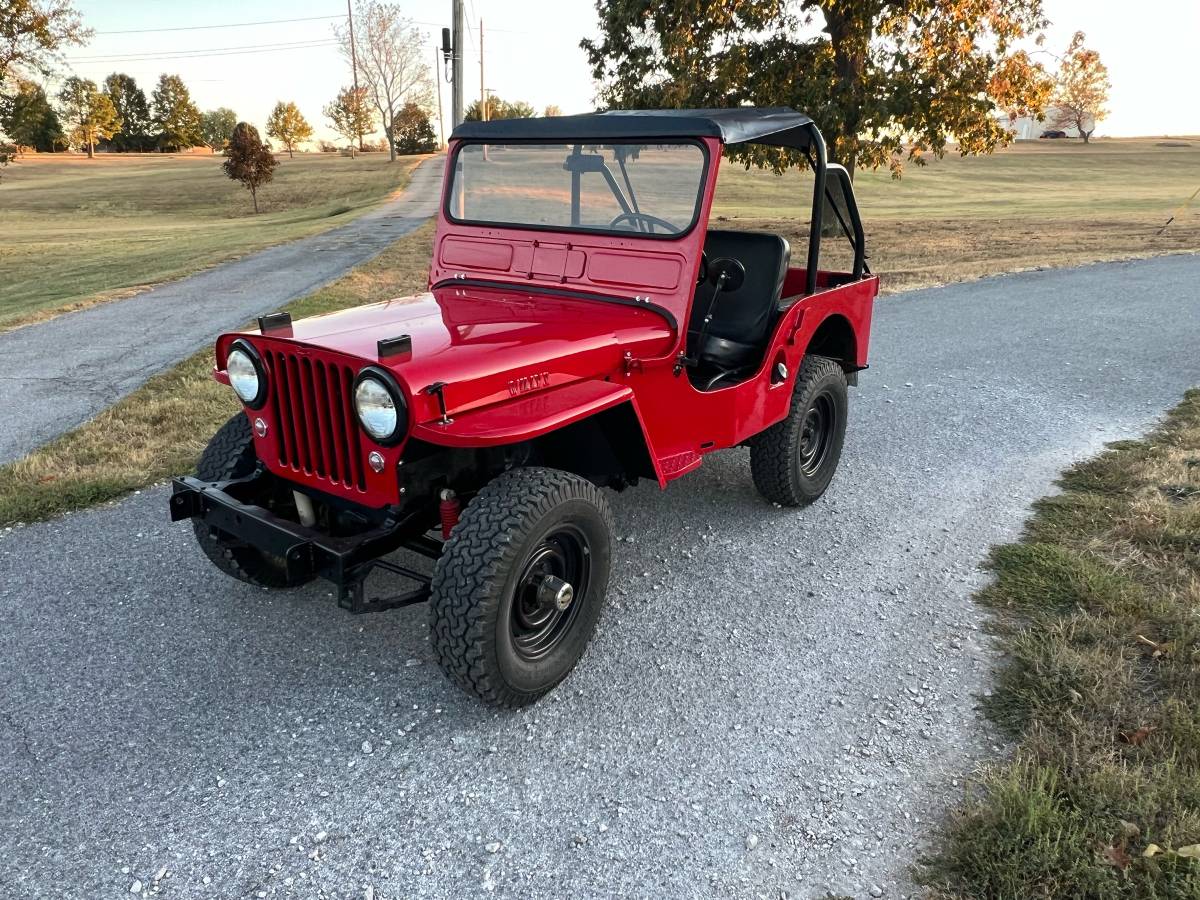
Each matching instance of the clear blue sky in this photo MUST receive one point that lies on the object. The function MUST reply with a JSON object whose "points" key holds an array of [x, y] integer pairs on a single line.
{"points": [[533, 52]]}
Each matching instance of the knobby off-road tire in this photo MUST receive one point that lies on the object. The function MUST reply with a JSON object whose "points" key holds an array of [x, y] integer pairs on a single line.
{"points": [[491, 636], [230, 454], [794, 460]]}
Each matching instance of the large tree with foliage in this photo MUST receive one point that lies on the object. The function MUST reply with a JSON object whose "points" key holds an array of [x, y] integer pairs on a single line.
{"points": [[27, 117], [129, 101], [500, 109], [89, 112], [1081, 90], [176, 117], [887, 80], [33, 31], [248, 160], [287, 125], [216, 127], [414, 131], [351, 115], [391, 61]]}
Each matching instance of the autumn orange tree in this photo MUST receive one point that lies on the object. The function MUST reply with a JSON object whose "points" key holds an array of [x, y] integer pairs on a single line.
{"points": [[887, 80], [288, 125], [1082, 89], [351, 116]]}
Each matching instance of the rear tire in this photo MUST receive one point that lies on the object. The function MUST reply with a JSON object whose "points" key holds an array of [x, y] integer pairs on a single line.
{"points": [[793, 461], [497, 625], [230, 454]]}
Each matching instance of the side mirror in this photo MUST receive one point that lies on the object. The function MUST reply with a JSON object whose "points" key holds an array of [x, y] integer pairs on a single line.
{"points": [[726, 273]]}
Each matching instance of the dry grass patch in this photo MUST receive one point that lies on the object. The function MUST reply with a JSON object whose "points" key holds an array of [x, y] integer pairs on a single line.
{"points": [[160, 429], [1098, 610], [1033, 205]]}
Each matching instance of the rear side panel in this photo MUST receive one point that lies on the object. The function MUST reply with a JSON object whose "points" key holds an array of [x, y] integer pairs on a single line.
{"points": [[684, 423]]}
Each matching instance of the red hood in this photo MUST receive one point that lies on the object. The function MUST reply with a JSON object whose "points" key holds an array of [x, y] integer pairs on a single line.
{"points": [[486, 344]]}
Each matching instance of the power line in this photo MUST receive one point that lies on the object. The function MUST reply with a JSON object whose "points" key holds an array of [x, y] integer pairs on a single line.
{"points": [[224, 25], [212, 51]]}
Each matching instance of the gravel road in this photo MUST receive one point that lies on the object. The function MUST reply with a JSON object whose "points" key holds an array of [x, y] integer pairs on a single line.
{"points": [[777, 702], [55, 375]]}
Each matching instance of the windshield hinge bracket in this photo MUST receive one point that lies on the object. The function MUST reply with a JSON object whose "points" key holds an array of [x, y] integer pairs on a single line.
{"points": [[436, 389]]}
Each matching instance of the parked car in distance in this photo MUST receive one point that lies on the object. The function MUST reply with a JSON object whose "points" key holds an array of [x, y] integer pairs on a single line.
{"points": [[1052, 135], [584, 328]]}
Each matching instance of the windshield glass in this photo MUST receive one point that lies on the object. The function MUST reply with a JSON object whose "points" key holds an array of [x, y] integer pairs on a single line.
{"points": [[650, 189]]}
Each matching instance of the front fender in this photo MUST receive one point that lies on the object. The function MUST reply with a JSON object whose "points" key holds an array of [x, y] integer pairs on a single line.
{"points": [[524, 418]]}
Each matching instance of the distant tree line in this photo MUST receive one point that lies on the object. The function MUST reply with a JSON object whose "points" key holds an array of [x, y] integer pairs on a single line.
{"points": [[118, 117], [115, 117], [394, 93]]}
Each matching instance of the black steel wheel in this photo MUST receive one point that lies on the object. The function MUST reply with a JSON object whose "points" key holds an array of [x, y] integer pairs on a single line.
{"points": [[793, 461], [230, 454], [543, 609], [817, 433], [518, 590]]}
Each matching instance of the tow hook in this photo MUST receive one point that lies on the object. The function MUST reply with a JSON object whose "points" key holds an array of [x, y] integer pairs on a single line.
{"points": [[449, 509]]}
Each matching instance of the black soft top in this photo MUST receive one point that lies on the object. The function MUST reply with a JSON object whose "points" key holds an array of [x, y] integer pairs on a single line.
{"points": [[779, 126]]}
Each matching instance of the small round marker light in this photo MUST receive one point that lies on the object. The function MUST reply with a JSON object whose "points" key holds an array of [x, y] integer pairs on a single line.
{"points": [[260, 427], [375, 460]]}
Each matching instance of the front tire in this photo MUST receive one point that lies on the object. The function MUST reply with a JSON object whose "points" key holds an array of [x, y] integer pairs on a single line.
{"points": [[793, 461], [230, 454], [519, 587]]}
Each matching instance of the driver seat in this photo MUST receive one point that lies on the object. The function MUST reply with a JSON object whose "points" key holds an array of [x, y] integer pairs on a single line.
{"points": [[741, 319]]}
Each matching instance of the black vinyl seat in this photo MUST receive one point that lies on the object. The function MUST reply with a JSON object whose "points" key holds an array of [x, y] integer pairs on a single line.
{"points": [[741, 319]]}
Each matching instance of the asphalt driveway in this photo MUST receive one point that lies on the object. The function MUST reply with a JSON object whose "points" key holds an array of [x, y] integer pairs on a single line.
{"points": [[777, 702], [60, 373]]}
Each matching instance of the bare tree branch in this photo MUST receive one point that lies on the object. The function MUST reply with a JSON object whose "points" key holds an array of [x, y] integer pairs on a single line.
{"points": [[391, 65]]}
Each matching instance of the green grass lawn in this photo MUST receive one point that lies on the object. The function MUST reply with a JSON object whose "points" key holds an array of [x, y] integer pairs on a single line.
{"points": [[77, 230]]}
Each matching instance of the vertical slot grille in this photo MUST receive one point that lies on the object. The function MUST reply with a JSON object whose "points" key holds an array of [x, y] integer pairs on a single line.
{"points": [[317, 431]]}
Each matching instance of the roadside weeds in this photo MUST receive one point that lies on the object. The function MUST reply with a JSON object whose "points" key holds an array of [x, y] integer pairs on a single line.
{"points": [[1098, 612]]}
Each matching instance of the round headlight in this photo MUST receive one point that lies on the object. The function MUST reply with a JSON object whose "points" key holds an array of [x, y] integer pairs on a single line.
{"points": [[243, 376], [377, 408]]}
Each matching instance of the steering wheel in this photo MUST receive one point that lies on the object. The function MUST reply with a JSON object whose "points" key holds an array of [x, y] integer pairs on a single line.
{"points": [[650, 221]]}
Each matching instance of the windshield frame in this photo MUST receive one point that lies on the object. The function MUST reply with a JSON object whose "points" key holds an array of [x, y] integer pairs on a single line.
{"points": [[701, 189]]}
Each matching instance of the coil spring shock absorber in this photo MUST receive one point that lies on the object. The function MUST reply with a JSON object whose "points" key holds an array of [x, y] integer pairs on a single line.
{"points": [[449, 509]]}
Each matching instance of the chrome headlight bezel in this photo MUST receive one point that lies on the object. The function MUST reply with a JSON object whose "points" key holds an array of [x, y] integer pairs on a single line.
{"points": [[385, 380], [245, 348]]}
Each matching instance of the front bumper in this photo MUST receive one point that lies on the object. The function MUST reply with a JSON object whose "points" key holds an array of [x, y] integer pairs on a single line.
{"points": [[306, 552]]}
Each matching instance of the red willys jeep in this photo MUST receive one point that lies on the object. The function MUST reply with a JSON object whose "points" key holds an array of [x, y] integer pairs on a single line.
{"points": [[584, 328]]}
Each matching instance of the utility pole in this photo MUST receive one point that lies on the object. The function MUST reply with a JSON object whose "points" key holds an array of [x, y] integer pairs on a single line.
{"points": [[354, 65], [437, 62], [483, 104], [456, 67]]}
